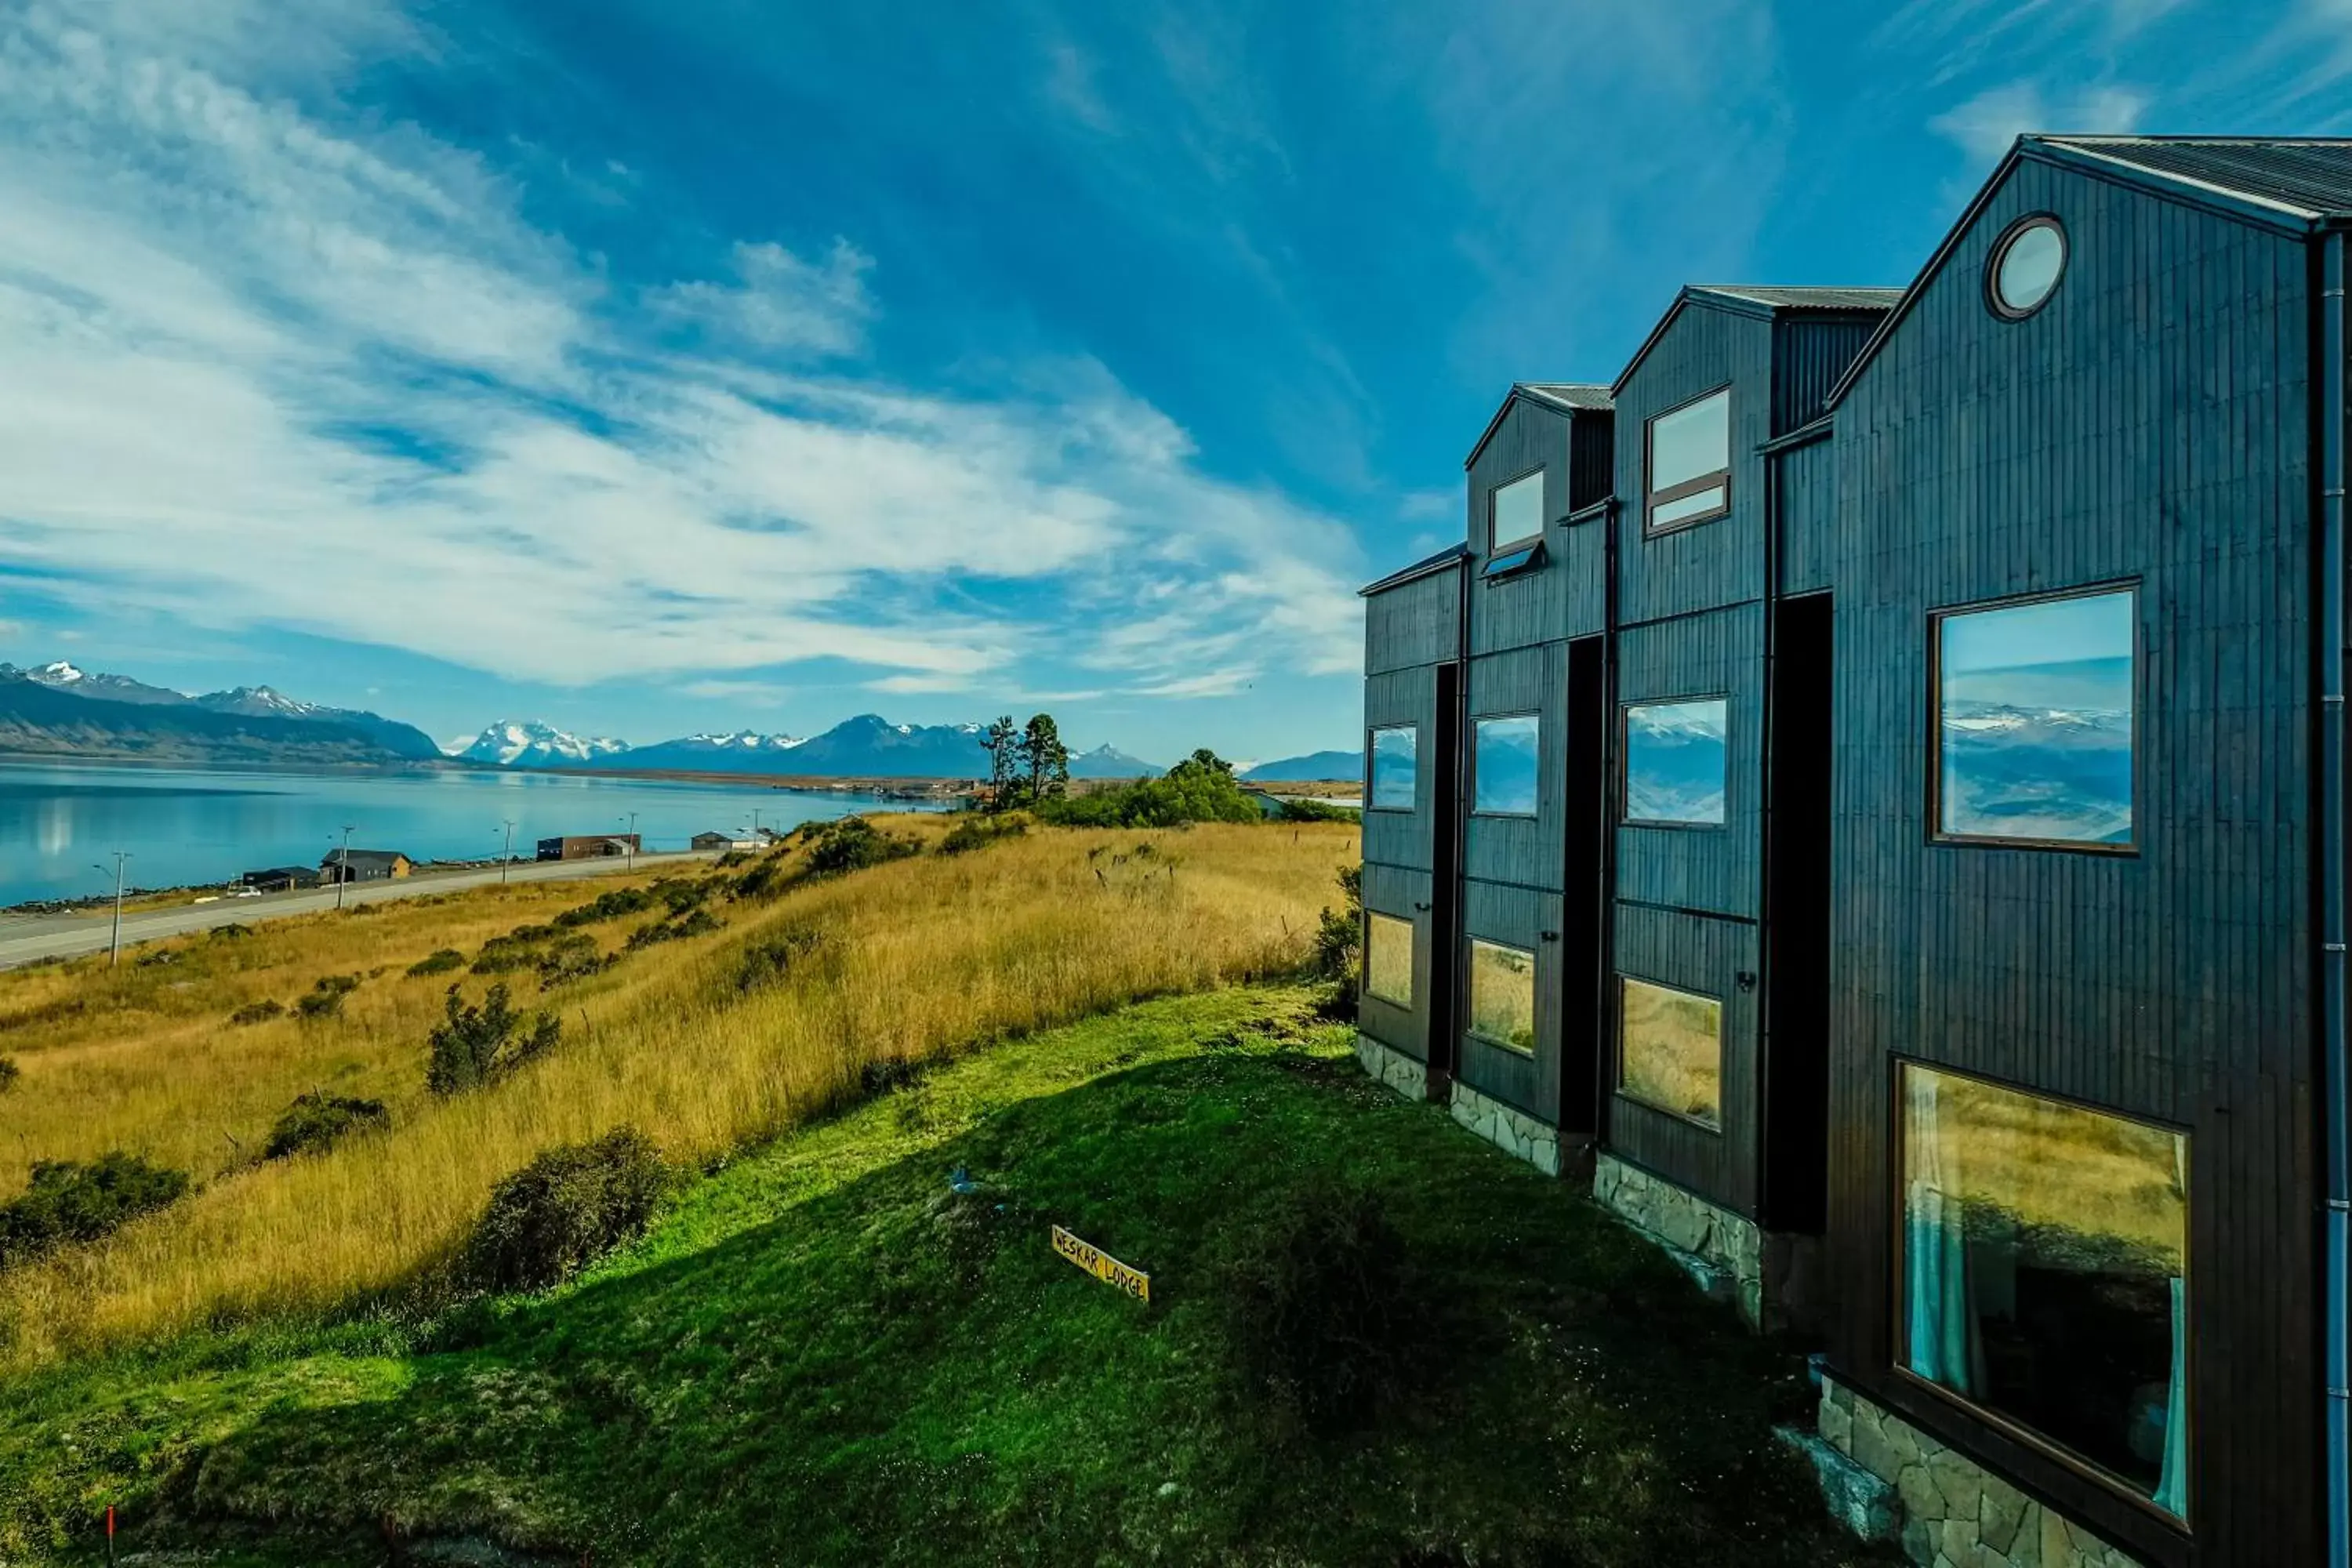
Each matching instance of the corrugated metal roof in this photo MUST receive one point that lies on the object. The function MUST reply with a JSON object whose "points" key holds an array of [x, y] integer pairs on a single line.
{"points": [[1803, 299], [1569, 394], [2311, 176], [1443, 558]]}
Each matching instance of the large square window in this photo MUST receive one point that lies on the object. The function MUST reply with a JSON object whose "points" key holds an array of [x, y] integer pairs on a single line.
{"points": [[1503, 995], [1690, 462], [1394, 757], [1676, 762], [2033, 719], [1515, 514], [1388, 959], [2044, 1273], [1671, 1050], [1503, 766]]}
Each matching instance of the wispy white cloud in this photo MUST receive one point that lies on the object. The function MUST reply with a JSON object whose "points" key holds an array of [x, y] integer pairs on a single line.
{"points": [[271, 366], [1986, 125]]}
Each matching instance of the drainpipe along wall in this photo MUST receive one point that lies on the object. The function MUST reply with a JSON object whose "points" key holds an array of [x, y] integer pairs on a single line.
{"points": [[2337, 1216]]}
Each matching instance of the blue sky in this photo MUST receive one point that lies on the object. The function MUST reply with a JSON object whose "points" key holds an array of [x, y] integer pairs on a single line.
{"points": [[650, 368]]}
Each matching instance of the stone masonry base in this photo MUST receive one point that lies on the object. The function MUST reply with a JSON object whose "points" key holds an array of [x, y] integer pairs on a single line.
{"points": [[1392, 1068], [1722, 1251], [1955, 1514], [1512, 1131]]}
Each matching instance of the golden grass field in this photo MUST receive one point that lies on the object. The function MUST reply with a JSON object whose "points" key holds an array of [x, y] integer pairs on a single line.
{"points": [[921, 955]]}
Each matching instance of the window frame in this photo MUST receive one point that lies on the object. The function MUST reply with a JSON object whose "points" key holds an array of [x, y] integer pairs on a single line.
{"points": [[1372, 736], [2005, 241], [1505, 546], [2010, 1427], [1617, 1089], [1411, 980], [1625, 763], [1470, 994], [1936, 619], [1654, 498], [1537, 811]]}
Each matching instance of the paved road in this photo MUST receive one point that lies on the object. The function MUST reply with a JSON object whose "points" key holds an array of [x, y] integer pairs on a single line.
{"points": [[26, 938]]}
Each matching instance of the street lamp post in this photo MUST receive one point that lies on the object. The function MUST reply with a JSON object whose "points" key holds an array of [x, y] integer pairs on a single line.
{"points": [[114, 949], [507, 859], [629, 845], [344, 869]]}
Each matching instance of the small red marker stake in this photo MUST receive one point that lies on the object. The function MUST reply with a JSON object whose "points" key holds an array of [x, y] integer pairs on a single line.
{"points": [[109, 1535]]}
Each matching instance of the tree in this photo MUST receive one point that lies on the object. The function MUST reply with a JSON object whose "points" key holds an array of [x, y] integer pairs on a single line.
{"points": [[1044, 758], [1003, 743], [1206, 761]]}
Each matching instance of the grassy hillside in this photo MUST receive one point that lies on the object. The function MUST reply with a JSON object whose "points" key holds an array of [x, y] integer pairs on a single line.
{"points": [[821, 1353], [716, 1038]]}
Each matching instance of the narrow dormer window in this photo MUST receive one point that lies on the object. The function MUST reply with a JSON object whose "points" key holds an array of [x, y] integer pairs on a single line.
{"points": [[1690, 462], [1515, 515]]}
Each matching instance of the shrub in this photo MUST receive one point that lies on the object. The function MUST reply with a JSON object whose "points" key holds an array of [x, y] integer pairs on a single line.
{"points": [[473, 1046], [680, 895], [980, 832], [767, 961], [9, 1073], [325, 998], [1339, 952], [607, 906], [1301, 809], [694, 923], [319, 1122], [229, 932], [70, 1202], [766, 878], [1200, 788], [853, 843], [259, 1012], [440, 961], [565, 1209], [570, 959], [1324, 1314], [159, 956]]}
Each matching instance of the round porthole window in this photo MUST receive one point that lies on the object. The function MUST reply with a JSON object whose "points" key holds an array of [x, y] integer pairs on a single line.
{"points": [[2026, 266]]}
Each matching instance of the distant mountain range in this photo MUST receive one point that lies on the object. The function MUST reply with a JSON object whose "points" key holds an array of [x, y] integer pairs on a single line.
{"points": [[62, 710], [57, 709], [1313, 766]]}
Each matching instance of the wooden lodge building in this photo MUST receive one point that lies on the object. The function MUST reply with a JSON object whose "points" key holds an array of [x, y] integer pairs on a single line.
{"points": [[1869, 789]]}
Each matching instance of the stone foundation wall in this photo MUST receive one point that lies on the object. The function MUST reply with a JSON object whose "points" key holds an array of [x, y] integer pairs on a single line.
{"points": [[1955, 1514], [1722, 1251], [1392, 1066], [1512, 1131]]}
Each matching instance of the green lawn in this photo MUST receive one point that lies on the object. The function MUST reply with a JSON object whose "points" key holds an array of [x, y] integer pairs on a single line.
{"points": [[822, 1354]]}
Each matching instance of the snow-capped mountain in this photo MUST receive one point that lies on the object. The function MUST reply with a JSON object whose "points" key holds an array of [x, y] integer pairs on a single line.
{"points": [[1108, 762], [515, 742], [61, 676]]}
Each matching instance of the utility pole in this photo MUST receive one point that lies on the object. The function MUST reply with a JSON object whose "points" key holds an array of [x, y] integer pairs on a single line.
{"points": [[343, 871], [114, 953], [507, 859], [629, 845]]}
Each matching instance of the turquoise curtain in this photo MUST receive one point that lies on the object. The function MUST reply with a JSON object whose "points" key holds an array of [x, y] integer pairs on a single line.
{"points": [[2172, 1481], [1940, 1337]]}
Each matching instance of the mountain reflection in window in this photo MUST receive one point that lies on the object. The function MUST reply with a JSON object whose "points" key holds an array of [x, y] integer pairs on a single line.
{"points": [[2034, 721], [1503, 995], [1388, 959], [1675, 761], [1504, 766], [2044, 1273], [1394, 767]]}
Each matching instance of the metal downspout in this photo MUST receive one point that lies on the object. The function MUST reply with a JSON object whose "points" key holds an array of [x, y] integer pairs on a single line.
{"points": [[2337, 1290]]}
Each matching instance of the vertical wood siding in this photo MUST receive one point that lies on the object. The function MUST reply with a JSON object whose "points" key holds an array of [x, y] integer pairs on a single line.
{"points": [[1693, 954], [1519, 917], [1541, 605], [2150, 423], [1804, 496], [1716, 654], [1414, 623], [1811, 350], [1391, 890], [1711, 565], [1520, 851], [1404, 839]]}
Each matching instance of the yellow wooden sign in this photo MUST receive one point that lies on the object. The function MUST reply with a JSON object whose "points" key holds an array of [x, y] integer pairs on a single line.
{"points": [[1102, 1264]]}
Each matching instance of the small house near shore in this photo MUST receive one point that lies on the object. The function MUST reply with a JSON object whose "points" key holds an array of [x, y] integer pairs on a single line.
{"points": [[280, 879], [363, 866], [708, 841], [588, 846]]}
